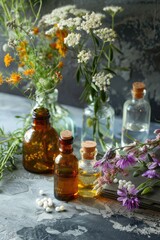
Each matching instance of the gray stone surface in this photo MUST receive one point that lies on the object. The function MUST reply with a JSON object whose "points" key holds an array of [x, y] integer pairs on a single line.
{"points": [[101, 219]]}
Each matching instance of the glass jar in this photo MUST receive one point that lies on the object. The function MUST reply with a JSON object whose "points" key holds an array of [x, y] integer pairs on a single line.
{"points": [[59, 116], [87, 174], [136, 116], [40, 144], [66, 169], [99, 128]]}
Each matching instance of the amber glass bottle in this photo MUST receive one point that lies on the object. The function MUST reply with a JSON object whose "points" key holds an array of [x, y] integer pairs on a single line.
{"points": [[66, 169], [87, 173], [41, 144]]}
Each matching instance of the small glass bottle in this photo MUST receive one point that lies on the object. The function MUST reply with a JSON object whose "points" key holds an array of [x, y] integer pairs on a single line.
{"points": [[136, 116], [40, 144], [66, 169], [87, 173]]}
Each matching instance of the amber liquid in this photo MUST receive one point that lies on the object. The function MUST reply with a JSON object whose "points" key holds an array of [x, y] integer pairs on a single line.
{"points": [[66, 188], [85, 183], [66, 177]]}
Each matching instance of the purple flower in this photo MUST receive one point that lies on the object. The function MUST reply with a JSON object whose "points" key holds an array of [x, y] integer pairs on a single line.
{"points": [[156, 163], [151, 174], [125, 161], [105, 163], [128, 197]]}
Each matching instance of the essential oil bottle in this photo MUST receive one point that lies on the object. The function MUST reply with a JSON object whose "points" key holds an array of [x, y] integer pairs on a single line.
{"points": [[66, 169], [136, 116], [87, 173]]}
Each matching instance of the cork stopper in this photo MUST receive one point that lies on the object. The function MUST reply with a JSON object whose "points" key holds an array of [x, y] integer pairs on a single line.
{"points": [[138, 89], [66, 135], [88, 149], [88, 146]]}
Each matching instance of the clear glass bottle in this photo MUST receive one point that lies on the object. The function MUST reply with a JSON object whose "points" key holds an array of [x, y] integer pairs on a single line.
{"points": [[40, 144], [66, 169], [136, 116], [101, 130], [87, 173]]}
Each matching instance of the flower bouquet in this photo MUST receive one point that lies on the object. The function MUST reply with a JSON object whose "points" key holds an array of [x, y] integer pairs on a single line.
{"points": [[92, 45], [38, 56], [143, 159]]}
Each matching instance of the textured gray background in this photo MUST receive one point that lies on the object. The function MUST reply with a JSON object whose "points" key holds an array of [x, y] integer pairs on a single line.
{"points": [[139, 40]]}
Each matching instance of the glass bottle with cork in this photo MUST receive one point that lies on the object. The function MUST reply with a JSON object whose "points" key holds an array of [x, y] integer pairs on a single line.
{"points": [[87, 173], [136, 116], [66, 169], [40, 144]]}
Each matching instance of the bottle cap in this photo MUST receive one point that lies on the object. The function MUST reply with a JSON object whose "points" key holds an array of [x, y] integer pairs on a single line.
{"points": [[88, 146], [66, 135], [138, 89]]}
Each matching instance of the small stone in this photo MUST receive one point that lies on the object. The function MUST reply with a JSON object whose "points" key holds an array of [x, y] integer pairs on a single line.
{"points": [[45, 204], [61, 208], [48, 209], [40, 203], [57, 209], [115, 180]]}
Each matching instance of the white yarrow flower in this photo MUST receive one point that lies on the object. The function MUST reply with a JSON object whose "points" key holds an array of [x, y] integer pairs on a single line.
{"points": [[113, 9], [84, 56], [69, 23], [102, 80], [106, 34], [72, 39], [91, 21]]}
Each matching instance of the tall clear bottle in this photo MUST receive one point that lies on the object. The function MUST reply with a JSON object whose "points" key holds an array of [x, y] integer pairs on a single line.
{"points": [[66, 169], [136, 116], [87, 173]]}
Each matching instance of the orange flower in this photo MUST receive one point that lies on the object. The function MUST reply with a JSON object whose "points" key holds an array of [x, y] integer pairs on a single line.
{"points": [[60, 64], [29, 72], [14, 78], [21, 49], [62, 49], [61, 34], [1, 79], [8, 59], [35, 30], [53, 45]]}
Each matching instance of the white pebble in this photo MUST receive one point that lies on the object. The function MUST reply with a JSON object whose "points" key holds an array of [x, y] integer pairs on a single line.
{"points": [[40, 203], [44, 199], [57, 209], [41, 192], [37, 200], [61, 208], [120, 181], [45, 204], [115, 180], [50, 202], [48, 209]]}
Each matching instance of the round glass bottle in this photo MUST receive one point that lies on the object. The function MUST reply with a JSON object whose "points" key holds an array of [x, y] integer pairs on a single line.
{"points": [[40, 144], [99, 128], [66, 169], [136, 116], [87, 173]]}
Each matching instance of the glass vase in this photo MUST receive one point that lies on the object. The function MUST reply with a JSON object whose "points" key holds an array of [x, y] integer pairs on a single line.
{"points": [[99, 128], [59, 116]]}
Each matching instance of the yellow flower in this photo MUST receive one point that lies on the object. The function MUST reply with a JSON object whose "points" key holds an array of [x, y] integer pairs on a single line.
{"points": [[21, 49], [8, 59], [1, 79], [29, 72], [14, 78], [60, 64]]}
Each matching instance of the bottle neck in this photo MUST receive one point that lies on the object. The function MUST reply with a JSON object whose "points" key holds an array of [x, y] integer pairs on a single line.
{"points": [[65, 148], [88, 155], [41, 124]]}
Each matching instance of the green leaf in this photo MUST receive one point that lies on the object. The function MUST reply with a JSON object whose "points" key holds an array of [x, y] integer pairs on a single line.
{"points": [[115, 48], [103, 96], [109, 70], [147, 190], [94, 87], [137, 173], [78, 74]]}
